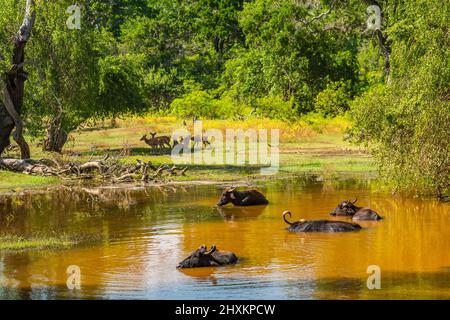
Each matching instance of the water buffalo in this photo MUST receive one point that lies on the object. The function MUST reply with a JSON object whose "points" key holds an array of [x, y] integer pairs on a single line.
{"points": [[348, 208], [244, 198], [320, 225], [203, 258]]}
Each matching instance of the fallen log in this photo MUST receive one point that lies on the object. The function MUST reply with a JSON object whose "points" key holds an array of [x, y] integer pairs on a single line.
{"points": [[92, 165], [26, 166], [93, 169]]}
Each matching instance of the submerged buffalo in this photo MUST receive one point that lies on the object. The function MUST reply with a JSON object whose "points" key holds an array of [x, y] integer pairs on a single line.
{"points": [[320, 225], [245, 198], [204, 258], [348, 208]]}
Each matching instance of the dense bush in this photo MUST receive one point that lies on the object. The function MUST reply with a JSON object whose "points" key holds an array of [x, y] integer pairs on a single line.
{"points": [[197, 103], [202, 104], [334, 99], [406, 122], [276, 108]]}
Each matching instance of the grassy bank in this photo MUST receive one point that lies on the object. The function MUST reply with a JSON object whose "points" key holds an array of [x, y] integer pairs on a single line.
{"points": [[13, 242], [11, 180], [313, 145]]}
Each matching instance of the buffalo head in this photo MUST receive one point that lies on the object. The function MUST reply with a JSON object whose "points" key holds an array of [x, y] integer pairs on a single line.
{"points": [[345, 208], [204, 258], [228, 195], [199, 258]]}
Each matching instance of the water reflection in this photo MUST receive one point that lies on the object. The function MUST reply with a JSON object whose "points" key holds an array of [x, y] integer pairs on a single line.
{"points": [[230, 213], [141, 234]]}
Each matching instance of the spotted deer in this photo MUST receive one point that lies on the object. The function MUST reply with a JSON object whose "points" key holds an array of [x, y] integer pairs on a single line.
{"points": [[163, 141], [152, 142]]}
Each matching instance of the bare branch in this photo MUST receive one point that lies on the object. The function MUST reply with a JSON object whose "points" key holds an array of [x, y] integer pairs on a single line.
{"points": [[320, 16]]}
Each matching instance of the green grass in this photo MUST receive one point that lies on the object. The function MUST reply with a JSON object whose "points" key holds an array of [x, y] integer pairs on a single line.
{"points": [[337, 163], [313, 145], [13, 242], [11, 180]]}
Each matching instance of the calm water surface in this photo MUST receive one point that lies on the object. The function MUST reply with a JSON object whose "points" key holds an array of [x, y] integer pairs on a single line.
{"points": [[139, 236]]}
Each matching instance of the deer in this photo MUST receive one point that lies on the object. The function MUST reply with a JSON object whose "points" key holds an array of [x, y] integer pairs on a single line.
{"points": [[152, 142], [163, 141], [200, 139]]}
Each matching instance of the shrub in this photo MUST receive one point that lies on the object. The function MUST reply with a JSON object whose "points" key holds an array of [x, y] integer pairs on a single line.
{"points": [[334, 99], [276, 108], [197, 103]]}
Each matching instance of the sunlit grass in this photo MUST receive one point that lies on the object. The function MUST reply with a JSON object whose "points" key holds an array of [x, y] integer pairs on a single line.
{"points": [[13, 242], [313, 144], [11, 180]]}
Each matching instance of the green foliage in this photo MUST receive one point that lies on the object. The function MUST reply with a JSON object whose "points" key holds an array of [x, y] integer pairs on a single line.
{"points": [[291, 55], [334, 99], [10, 20], [201, 104], [112, 14], [77, 72], [406, 122], [196, 103], [217, 22], [64, 74], [121, 86], [276, 108], [370, 63], [236, 59]]}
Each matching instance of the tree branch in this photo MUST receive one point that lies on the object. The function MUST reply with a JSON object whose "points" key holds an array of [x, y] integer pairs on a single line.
{"points": [[320, 16], [323, 13], [28, 21], [385, 51]]}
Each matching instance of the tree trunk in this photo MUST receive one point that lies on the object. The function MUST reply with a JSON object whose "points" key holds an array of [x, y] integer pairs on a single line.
{"points": [[12, 87], [114, 122], [56, 139], [385, 50], [56, 135], [383, 42]]}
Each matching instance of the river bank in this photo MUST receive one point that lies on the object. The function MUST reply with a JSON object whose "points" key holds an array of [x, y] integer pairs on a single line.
{"points": [[316, 146]]}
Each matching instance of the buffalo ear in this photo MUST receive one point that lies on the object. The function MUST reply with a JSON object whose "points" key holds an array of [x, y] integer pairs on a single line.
{"points": [[232, 196]]}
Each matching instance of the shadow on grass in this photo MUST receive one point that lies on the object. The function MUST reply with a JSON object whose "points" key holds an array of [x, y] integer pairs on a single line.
{"points": [[141, 151]]}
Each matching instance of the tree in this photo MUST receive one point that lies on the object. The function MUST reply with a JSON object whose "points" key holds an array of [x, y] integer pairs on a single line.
{"points": [[405, 121], [12, 85], [64, 77], [295, 49], [78, 75]]}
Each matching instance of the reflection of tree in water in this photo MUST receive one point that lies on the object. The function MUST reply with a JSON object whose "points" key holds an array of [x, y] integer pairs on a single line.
{"points": [[33, 212], [414, 235], [394, 285], [16, 279]]}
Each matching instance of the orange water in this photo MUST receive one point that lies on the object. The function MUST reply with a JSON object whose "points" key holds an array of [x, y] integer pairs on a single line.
{"points": [[138, 236]]}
